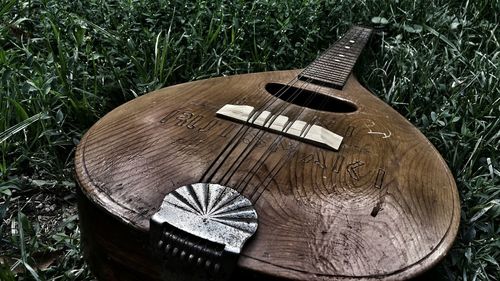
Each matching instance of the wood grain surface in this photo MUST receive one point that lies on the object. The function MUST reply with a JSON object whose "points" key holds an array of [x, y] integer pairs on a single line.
{"points": [[384, 206]]}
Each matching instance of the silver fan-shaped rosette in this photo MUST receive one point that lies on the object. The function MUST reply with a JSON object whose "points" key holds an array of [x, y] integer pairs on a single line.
{"points": [[212, 212]]}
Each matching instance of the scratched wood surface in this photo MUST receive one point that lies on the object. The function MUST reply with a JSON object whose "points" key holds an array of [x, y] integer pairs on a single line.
{"points": [[384, 206]]}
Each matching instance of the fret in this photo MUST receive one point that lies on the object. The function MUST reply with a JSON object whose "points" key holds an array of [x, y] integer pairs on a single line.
{"points": [[334, 66], [329, 64], [328, 73], [334, 70], [329, 57], [342, 57]]}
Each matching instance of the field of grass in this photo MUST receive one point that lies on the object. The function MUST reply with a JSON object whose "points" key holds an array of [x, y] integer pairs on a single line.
{"points": [[64, 64]]}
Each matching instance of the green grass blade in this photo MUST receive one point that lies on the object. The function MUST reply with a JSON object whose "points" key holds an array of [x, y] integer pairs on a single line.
{"points": [[21, 126]]}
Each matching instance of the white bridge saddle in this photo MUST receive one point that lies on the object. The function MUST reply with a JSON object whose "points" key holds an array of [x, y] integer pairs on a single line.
{"points": [[281, 124]]}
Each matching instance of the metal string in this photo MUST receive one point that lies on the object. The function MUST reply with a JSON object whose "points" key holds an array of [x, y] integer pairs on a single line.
{"points": [[241, 132], [254, 142], [234, 142], [275, 144], [260, 162], [237, 137]]}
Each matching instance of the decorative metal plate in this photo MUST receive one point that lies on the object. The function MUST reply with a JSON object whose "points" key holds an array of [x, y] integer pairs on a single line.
{"points": [[200, 230]]}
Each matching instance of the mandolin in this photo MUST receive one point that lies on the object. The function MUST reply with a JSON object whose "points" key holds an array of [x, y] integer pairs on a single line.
{"points": [[284, 175]]}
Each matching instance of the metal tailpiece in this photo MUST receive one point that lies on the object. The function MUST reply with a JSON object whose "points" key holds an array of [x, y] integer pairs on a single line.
{"points": [[199, 231]]}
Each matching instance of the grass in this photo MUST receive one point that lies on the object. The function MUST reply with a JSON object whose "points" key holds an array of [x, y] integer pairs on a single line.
{"points": [[64, 64]]}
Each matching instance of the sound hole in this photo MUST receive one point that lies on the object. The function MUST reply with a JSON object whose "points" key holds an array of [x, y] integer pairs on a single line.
{"points": [[310, 99]]}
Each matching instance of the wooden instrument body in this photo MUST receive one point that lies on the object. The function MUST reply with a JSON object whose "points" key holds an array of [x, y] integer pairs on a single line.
{"points": [[384, 206]]}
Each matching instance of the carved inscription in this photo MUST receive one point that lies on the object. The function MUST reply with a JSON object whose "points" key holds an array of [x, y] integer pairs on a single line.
{"points": [[208, 126], [352, 169], [284, 145], [319, 159], [380, 178], [281, 124], [198, 122], [334, 164], [375, 129], [337, 163], [183, 119], [169, 116], [376, 209], [251, 137], [331, 164], [349, 130]]}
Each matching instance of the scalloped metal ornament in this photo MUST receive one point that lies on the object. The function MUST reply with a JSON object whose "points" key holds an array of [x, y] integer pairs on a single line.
{"points": [[204, 225]]}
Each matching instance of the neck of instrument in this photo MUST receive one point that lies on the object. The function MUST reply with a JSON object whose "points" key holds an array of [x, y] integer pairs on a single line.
{"points": [[333, 67]]}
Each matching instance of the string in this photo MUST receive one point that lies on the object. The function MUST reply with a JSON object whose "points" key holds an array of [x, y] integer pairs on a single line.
{"points": [[248, 149], [258, 164], [268, 120], [234, 142], [238, 136], [273, 146]]}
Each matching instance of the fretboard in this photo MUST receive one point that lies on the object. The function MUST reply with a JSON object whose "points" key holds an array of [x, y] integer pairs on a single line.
{"points": [[333, 67]]}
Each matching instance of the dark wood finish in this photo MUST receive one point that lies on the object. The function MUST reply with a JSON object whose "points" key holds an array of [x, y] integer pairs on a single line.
{"points": [[333, 67], [385, 206]]}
